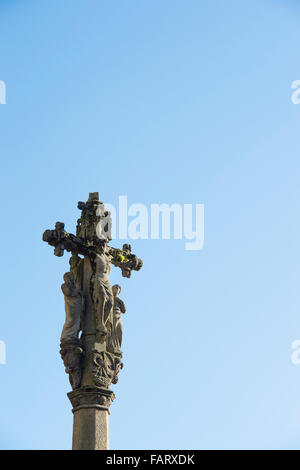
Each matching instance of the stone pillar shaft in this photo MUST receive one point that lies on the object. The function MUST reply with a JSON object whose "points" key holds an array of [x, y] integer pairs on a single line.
{"points": [[91, 410], [90, 430]]}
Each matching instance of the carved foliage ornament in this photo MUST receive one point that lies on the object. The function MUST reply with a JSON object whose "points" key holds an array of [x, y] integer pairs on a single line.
{"points": [[71, 352]]}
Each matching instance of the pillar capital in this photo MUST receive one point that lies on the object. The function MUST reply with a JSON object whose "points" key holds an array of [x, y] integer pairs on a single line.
{"points": [[91, 397]]}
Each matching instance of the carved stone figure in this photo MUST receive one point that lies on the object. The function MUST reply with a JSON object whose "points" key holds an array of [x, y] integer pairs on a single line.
{"points": [[101, 292], [116, 328], [73, 306]]}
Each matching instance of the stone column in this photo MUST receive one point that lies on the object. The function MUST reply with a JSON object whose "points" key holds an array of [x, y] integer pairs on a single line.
{"points": [[91, 410], [92, 400], [92, 359]]}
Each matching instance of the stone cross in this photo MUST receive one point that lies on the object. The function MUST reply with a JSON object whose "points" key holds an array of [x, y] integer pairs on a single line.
{"points": [[92, 334]]}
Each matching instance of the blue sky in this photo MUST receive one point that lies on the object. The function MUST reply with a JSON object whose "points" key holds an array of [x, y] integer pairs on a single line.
{"points": [[165, 102]]}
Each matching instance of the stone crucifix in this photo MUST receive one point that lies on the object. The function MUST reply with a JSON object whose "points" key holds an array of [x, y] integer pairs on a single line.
{"points": [[92, 334]]}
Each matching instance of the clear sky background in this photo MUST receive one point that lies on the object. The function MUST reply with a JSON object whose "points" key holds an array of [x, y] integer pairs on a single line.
{"points": [[169, 101]]}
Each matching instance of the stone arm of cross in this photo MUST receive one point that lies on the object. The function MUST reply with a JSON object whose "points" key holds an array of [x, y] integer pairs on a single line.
{"points": [[125, 260], [62, 240]]}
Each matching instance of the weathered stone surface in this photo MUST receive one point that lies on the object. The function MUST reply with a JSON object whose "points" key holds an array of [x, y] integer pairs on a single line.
{"points": [[91, 410], [93, 360], [71, 352], [74, 305], [91, 397], [90, 429], [116, 335]]}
